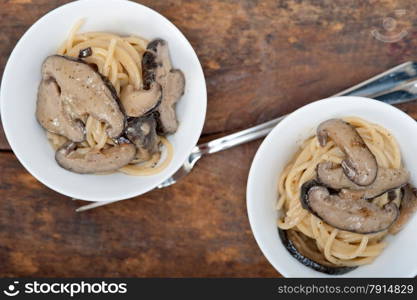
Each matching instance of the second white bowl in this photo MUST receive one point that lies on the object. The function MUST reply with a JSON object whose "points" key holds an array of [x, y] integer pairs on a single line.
{"points": [[279, 147]]}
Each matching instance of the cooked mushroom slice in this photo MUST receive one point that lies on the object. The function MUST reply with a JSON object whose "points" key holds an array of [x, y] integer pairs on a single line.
{"points": [[157, 67], [332, 176], [52, 115], [360, 166], [136, 103], [305, 250], [106, 160], [86, 52], [407, 208], [69, 91], [142, 133], [347, 211], [174, 89]]}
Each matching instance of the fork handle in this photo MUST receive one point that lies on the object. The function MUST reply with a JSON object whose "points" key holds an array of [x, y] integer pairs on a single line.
{"points": [[379, 87], [239, 137]]}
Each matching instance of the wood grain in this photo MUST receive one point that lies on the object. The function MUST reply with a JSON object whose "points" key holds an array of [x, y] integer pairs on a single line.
{"points": [[4, 145], [197, 228], [261, 59]]}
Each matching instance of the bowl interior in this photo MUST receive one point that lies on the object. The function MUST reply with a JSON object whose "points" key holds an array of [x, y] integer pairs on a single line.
{"points": [[22, 76], [279, 147]]}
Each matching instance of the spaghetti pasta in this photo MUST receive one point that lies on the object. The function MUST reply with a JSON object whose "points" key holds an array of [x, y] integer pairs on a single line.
{"points": [[339, 247], [119, 59]]}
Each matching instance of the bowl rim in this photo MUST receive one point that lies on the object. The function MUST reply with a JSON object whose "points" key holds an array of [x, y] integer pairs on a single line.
{"points": [[12, 59], [251, 182]]}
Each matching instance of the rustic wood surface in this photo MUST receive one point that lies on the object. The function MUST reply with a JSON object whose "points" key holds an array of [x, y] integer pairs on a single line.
{"points": [[261, 59]]}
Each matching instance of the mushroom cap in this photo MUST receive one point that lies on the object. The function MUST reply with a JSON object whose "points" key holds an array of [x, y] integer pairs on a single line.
{"points": [[305, 250], [137, 103], [86, 52], [174, 89], [157, 67], [360, 165], [94, 161], [332, 175], [71, 90], [407, 208], [52, 114], [347, 211], [142, 133]]}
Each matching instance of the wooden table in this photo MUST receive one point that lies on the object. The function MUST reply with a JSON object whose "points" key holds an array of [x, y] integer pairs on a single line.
{"points": [[261, 59]]}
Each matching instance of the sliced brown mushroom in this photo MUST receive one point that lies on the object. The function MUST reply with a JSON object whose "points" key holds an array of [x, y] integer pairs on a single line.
{"points": [[136, 103], [71, 90], [407, 208], [333, 176], [347, 211], [142, 133], [95, 161], [157, 67], [52, 114], [305, 250], [360, 165], [86, 52]]}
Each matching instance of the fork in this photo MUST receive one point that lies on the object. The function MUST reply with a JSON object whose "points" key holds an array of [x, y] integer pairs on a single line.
{"points": [[396, 85]]}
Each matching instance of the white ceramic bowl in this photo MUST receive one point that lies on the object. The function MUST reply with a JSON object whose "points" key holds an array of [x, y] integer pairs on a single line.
{"points": [[22, 76], [399, 258]]}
